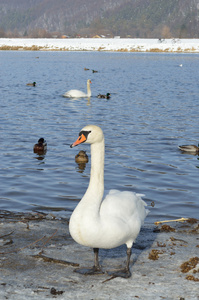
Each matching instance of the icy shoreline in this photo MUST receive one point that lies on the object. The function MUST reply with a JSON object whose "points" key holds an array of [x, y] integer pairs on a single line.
{"points": [[38, 255], [102, 44]]}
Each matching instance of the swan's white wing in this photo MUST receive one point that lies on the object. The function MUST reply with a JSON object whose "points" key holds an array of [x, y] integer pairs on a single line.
{"points": [[74, 94], [124, 205]]}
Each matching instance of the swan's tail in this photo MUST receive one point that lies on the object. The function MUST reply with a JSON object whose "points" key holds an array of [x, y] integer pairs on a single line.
{"points": [[142, 207]]}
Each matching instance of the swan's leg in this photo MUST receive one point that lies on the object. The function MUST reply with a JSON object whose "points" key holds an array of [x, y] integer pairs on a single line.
{"points": [[128, 252], [96, 260], [95, 270], [125, 273]]}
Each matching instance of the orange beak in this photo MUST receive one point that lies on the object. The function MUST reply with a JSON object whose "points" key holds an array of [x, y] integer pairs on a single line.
{"points": [[81, 139]]}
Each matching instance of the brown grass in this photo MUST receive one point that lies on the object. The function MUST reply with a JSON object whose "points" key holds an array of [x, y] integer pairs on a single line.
{"points": [[189, 265], [14, 48], [138, 49], [100, 48], [154, 254]]}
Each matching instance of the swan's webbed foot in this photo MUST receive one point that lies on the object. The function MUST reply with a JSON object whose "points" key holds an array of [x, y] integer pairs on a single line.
{"points": [[86, 271], [124, 273], [95, 270]]}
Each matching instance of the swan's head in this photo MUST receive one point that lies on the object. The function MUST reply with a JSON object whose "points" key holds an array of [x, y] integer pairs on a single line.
{"points": [[89, 81], [90, 134]]}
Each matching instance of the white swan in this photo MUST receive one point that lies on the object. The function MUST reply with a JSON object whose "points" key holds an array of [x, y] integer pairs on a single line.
{"points": [[79, 94], [109, 223]]}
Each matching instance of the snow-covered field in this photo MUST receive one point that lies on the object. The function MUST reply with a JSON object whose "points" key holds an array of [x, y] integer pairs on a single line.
{"points": [[103, 44]]}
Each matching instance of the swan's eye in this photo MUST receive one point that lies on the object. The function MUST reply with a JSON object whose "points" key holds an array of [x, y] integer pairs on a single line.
{"points": [[85, 133]]}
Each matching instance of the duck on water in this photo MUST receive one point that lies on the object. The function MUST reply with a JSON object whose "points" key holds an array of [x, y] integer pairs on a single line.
{"points": [[40, 147], [189, 148]]}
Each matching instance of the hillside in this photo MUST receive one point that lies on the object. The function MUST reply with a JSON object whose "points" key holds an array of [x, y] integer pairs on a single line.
{"points": [[133, 18], [156, 18]]}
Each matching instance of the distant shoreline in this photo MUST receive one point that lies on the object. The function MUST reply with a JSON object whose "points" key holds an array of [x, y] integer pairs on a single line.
{"points": [[101, 44]]}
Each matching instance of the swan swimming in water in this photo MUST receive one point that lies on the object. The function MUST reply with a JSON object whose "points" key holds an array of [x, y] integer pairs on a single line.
{"points": [[79, 94], [109, 223]]}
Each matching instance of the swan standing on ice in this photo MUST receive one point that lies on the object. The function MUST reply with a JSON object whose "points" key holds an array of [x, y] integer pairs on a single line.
{"points": [[109, 223], [79, 94]]}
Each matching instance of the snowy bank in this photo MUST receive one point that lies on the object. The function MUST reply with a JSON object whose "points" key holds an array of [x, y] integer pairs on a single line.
{"points": [[38, 258], [102, 44]]}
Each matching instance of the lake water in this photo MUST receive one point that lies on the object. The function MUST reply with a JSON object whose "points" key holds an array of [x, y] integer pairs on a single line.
{"points": [[154, 107]]}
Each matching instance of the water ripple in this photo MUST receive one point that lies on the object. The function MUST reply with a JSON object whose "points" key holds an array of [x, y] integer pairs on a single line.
{"points": [[153, 109]]}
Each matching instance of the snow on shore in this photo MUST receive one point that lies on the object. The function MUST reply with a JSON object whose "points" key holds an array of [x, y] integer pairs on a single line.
{"points": [[103, 44]]}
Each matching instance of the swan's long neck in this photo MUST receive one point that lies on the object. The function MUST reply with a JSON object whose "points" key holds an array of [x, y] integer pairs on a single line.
{"points": [[88, 89], [95, 190]]}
